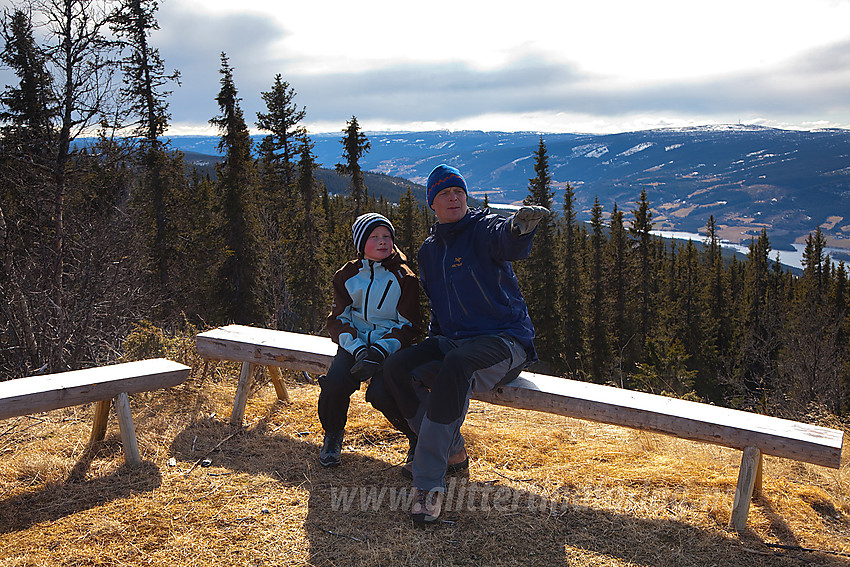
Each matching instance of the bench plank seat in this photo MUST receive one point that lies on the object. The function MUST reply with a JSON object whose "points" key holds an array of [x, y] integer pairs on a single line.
{"points": [[681, 418], [752, 433], [33, 394]]}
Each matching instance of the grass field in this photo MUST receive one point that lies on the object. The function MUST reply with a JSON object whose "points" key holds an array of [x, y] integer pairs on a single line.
{"points": [[541, 490]]}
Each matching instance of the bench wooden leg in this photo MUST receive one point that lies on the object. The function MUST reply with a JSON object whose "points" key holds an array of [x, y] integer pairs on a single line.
{"points": [[242, 391], [279, 386], [749, 481], [101, 416], [127, 429]]}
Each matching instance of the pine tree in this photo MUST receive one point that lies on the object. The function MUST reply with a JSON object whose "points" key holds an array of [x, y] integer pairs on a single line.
{"points": [[354, 147], [617, 288], [236, 186], [282, 121], [572, 303], [538, 271], [599, 315], [409, 231], [30, 108], [643, 248], [145, 80], [308, 275]]}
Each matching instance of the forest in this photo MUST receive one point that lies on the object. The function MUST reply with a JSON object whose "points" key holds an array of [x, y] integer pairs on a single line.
{"points": [[98, 242]]}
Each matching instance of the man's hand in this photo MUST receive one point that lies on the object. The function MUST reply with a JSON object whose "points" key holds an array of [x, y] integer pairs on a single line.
{"points": [[525, 220], [368, 365]]}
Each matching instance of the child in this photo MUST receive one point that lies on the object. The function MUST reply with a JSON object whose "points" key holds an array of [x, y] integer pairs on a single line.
{"points": [[375, 312]]}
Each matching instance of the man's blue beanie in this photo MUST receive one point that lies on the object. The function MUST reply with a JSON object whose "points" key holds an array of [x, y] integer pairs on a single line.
{"points": [[441, 177]]}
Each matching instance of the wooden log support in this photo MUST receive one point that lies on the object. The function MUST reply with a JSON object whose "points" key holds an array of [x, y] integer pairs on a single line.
{"points": [[243, 388], [127, 430], [752, 433], [101, 417], [748, 476], [279, 386]]}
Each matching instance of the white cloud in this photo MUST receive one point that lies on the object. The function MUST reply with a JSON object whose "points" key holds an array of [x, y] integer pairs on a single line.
{"points": [[602, 66]]}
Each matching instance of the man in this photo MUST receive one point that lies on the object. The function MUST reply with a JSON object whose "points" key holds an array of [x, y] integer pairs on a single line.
{"points": [[480, 333]]}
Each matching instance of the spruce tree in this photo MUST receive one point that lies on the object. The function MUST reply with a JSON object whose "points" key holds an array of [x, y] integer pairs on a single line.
{"points": [[572, 300], [538, 271], [145, 83], [28, 110], [716, 323], [617, 274], [308, 274], [409, 230], [355, 144], [644, 277], [236, 178], [599, 345], [282, 122]]}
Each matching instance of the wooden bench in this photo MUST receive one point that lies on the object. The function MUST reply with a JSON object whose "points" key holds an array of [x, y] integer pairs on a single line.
{"points": [[752, 433], [103, 384]]}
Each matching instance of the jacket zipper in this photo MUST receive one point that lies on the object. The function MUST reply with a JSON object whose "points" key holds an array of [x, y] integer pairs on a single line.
{"points": [[481, 289], [366, 303], [383, 297]]}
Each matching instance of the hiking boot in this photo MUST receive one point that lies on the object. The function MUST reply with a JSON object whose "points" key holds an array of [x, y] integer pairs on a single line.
{"points": [[426, 506], [331, 451], [457, 463]]}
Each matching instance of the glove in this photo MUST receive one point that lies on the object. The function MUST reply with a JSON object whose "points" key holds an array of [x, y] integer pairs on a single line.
{"points": [[367, 366], [525, 220]]}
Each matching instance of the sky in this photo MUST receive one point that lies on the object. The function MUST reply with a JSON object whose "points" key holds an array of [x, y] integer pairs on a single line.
{"points": [[595, 66]]}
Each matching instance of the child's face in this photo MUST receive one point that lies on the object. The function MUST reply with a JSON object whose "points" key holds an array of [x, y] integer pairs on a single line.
{"points": [[379, 245]]}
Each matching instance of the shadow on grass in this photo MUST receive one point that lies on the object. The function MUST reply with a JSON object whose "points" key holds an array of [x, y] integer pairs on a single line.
{"points": [[358, 513], [58, 500]]}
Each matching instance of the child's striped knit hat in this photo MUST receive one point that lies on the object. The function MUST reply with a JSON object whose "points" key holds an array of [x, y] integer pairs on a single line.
{"points": [[363, 227]]}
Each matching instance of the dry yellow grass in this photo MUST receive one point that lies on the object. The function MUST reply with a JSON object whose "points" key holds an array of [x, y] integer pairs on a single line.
{"points": [[541, 490]]}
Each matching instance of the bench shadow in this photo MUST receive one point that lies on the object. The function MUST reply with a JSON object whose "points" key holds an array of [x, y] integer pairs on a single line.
{"points": [[359, 511], [57, 500]]}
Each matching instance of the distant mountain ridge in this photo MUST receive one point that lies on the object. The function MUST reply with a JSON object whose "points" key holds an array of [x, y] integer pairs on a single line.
{"points": [[749, 177]]}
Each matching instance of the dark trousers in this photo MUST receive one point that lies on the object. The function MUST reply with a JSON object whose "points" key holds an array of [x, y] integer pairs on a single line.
{"points": [[338, 385], [432, 382]]}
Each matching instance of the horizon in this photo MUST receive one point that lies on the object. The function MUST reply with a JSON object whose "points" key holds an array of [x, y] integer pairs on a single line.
{"points": [[257, 132]]}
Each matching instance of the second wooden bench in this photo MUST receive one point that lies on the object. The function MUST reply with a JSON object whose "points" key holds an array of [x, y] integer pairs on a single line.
{"points": [[103, 384]]}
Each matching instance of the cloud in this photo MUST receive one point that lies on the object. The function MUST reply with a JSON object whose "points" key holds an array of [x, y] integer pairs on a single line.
{"points": [[193, 42], [809, 87], [429, 93]]}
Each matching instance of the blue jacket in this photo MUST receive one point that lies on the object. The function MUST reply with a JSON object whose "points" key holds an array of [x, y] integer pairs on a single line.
{"points": [[465, 268]]}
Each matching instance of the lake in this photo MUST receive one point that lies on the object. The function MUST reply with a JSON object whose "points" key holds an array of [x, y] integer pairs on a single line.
{"points": [[792, 258]]}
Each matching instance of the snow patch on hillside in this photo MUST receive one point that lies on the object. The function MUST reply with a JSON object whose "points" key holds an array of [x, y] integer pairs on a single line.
{"points": [[635, 149], [590, 150]]}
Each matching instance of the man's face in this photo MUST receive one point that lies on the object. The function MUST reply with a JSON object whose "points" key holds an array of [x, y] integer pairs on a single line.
{"points": [[450, 205]]}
